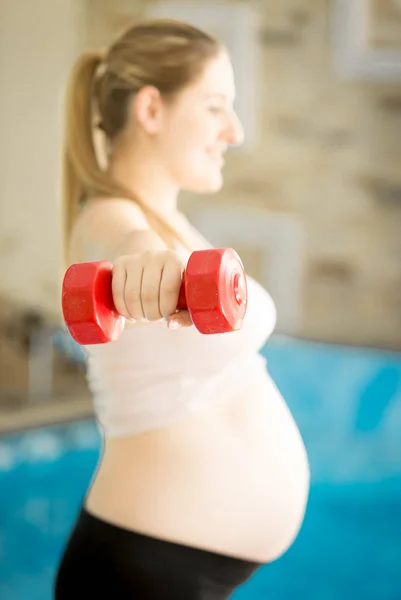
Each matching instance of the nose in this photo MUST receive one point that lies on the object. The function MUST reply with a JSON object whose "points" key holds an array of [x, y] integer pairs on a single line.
{"points": [[234, 132]]}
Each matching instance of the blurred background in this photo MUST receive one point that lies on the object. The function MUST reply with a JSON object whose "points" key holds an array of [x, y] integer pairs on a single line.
{"points": [[312, 203]]}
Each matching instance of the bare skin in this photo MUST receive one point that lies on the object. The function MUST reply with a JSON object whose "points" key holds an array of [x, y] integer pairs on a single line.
{"points": [[233, 477]]}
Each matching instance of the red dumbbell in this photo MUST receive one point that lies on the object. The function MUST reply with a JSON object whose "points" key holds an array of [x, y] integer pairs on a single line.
{"points": [[214, 290]]}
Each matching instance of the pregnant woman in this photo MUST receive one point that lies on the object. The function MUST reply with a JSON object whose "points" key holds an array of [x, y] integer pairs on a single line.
{"points": [[203, 475]]}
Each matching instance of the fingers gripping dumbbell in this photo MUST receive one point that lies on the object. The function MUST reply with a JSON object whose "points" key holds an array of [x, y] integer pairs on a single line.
{"points": [[213, 290]]}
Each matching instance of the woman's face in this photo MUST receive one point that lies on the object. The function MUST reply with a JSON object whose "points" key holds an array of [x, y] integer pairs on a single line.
{"points": [[198, 127]]}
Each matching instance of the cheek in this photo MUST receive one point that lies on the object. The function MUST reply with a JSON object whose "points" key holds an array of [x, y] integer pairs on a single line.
{"points": [[185, 151], [188, 145], [192, 130]]}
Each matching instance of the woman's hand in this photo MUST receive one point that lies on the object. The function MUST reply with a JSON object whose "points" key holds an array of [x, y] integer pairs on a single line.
{"points": [[146, 286]]}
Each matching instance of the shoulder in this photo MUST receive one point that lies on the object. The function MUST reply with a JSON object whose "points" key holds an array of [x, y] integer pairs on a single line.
{"points": [[108, 216], [99, 210], [102, 224]]}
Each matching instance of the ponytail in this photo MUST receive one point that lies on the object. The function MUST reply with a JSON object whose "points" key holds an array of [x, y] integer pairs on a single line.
{"points": [[82, 175]]}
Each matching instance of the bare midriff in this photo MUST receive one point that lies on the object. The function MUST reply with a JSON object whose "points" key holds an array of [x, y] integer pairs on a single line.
{"points": [[232, 478]]}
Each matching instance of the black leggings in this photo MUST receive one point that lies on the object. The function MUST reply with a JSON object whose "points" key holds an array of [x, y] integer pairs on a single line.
{"points": [[105, 561]]}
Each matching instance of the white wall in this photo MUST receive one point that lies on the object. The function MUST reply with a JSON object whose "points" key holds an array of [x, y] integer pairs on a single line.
{"points": [[38, 42]]}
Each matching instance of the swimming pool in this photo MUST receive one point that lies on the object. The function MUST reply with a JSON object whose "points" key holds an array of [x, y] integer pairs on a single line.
{"points": [[347, 403]]}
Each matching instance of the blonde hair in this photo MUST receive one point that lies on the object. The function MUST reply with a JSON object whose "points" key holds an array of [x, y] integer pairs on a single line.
{"points": [[164, 53]]}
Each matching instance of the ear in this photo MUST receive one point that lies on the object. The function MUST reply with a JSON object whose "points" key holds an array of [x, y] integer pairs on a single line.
{"points": [[147, 106]]}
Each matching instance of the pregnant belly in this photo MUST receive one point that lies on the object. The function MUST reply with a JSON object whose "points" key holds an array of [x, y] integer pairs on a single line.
{"points": [[233, 479]]}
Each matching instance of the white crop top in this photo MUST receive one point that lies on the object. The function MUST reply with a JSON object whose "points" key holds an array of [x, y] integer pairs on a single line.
{"points": [[153, 376]]}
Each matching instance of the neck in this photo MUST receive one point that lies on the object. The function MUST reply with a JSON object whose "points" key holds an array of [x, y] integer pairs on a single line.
{"points": [[146, 179]]}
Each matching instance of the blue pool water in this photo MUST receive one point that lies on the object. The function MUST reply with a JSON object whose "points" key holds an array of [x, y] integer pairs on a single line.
{"points": [[347, 403]]}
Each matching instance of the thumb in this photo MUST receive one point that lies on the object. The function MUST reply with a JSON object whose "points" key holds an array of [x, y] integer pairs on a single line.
{"points": [[179, 319]]}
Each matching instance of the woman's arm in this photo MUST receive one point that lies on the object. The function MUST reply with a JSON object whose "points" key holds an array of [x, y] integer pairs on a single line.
{"points": [[146, 276]]}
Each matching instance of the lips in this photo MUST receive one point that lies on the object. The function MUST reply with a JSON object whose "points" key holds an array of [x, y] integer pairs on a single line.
{"points": [[216, 156]]}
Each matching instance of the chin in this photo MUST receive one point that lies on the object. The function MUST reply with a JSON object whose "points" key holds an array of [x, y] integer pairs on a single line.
{"points": [[215, 186], [206, 186]]}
